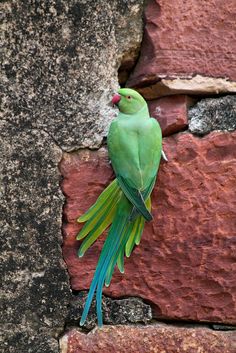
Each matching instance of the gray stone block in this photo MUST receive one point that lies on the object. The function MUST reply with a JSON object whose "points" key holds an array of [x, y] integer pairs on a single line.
{"points": [[213, 114], [60, 64], [35, 288]]}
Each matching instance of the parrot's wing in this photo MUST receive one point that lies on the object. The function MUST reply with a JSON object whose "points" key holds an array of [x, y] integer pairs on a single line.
{"points": [[135, 197], [146, 196]]}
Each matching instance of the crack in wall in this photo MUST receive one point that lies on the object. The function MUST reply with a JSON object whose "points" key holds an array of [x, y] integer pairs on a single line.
{"points": [[129, 310]]}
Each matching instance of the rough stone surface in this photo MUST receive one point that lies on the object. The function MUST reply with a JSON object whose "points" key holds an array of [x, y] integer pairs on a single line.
{"points": [[185, 264], [197, 85], [35, 288], [19, 340], [213, 114], [157, 338], [171, 113], [115, 311], [176, 42], [59, 69], [60, 64]]}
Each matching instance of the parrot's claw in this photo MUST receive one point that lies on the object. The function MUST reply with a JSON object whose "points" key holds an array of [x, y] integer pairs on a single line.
{"points": [[164, 156]]}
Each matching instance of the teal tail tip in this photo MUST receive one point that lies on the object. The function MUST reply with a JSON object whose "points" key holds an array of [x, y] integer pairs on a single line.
{"points": [[100, 322], [81, 323]]}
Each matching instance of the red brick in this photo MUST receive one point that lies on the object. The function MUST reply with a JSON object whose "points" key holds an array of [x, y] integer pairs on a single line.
{"points": [[171, 113], [186, 262], [183, 39], [149, 339]]}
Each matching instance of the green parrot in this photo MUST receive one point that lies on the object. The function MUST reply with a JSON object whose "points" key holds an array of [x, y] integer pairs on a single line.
{"points": [[135, 149]]}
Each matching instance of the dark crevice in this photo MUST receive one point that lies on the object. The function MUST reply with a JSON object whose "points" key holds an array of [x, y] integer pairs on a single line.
{"points": [[188, 323], [199, 97], [73, 322], [51, 137], [195, 324], [116, 311], [63, 221], [124, 72], [127, 66]]}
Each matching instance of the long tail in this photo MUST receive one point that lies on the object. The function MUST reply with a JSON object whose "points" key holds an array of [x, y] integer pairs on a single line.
{"points": [[112, 207]]}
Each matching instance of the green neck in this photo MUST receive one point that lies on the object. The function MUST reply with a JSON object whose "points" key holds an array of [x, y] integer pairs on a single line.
{"points": [[142, 113]]}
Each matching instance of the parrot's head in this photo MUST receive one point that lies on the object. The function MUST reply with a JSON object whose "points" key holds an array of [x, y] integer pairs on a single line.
{"points": [[128, 101]]}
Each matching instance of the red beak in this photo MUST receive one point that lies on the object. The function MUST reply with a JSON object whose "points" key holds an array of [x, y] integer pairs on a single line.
{"points": [[116, 98]]}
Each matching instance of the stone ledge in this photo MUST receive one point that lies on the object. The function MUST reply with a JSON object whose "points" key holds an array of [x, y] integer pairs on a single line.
{"points": [[158, 338], [196, 85]]}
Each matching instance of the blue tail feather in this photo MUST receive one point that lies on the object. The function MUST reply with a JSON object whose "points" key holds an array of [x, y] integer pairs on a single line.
{"points": [[110, 251], [119, 234], [94, 281]]}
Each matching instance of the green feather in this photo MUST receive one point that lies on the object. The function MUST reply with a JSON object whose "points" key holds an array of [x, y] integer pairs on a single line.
{"points": [[135, 197], [119, 256], [101, 207], [101, 201], [146, 193], [139, 231], [131, 241], [99, 228], [120, 261], [142, 223]]}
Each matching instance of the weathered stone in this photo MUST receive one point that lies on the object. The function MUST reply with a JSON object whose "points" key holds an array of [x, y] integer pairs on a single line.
{"points": [[171, 113], [16, 339], [213, 114], [157, 338], [185, 264], [115, 311], [176, 48], [35, 288], [60, 64]]}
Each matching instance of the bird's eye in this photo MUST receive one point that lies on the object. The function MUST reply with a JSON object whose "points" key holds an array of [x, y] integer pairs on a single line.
{"points": [[128, 97]]}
